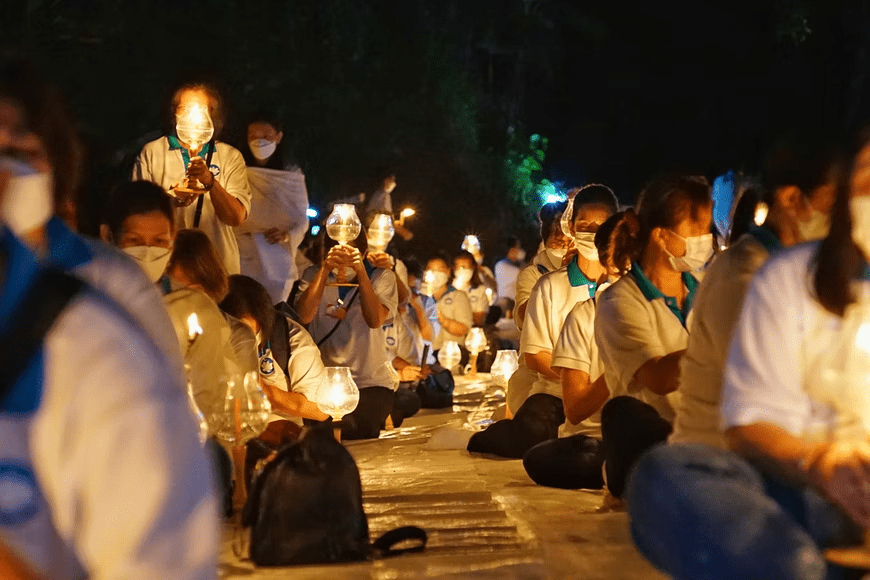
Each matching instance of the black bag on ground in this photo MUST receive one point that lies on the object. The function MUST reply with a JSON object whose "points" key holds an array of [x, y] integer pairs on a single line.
{"points": [[436, 390], [306, 508]]}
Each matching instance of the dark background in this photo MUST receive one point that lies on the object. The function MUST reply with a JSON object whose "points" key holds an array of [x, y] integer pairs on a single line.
{"points": [[450, 92]]}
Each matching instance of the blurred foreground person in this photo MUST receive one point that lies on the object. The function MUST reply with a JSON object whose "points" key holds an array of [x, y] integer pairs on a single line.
{"points": [[38, 138], [220, 168], [277, 221], [95, 482], [795, 417]]}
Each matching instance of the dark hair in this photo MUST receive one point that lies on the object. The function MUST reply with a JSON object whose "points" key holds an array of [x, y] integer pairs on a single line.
{"points": [[550, 217], [512, 241], [135, 198], [278, 160], [464, 254], [195, 255], [45, 114], [839, 261], [215, 105], [664, 203], [247, 297], [804, 164], [744, 213], [595, 194], [414, 267], [604, 241]]}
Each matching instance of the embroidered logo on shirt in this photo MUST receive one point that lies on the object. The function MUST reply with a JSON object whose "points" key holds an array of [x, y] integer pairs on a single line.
{"points": [[215, 170], [19, 494], [267, 366], [391, 341]]}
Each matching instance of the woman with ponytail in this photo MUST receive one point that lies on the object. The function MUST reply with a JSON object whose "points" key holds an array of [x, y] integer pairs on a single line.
{"points": [[641, 321]]}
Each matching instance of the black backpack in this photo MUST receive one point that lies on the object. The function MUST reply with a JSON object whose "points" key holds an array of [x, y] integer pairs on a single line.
{"points": [[306, 508]]}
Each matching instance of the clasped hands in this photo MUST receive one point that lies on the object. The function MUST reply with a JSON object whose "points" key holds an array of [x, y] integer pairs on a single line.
{"points": [[340, 257], [197, 170]]}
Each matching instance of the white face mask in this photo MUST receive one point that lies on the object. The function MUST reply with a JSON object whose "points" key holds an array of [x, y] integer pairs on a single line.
{"points": [[28, 202], [555, 256], [860, 209], [815, 228], [462, 277], [585, 242], [438, 279], [262, 149], [699, 249], [152, 259]]}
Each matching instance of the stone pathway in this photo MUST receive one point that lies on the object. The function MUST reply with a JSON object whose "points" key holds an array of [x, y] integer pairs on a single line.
{"points": [[485, 518]]}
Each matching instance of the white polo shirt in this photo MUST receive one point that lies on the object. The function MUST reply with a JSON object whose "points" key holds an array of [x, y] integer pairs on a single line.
{"points": [[715, 312], [305, 368], [478, 299], [506, 273], [354, 344], [552, 299], [162, 161], [576, 349], [774, 372], [454, 305], [527, 279], [102, 474], [634, 323]]}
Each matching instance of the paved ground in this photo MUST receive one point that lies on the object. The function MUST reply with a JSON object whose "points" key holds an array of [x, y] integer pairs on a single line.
{"points": [[485, 517]]}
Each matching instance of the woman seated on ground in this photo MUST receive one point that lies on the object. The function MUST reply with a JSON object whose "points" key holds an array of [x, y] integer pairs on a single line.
{"points": [[194, 263], [467, 279], [453, 307], [574, 460], [556, 244], [289, 362], [539, 417], [796, 479], [640, 323], [347, 325]]}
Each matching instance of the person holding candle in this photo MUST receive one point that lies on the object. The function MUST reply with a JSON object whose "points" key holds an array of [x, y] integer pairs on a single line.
{"points": [[225, 201], [786, 445], [467, 279], [453, 308], [90, 418], [471, 244], [277, 221], [347, 324], [539, 417]]}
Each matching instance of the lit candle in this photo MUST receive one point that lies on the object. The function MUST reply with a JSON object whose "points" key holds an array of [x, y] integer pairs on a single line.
{"points": [[194, 330]]}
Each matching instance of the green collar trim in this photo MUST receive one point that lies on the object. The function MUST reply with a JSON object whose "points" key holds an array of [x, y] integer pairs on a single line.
{"points": [[766, 238], [174, 144], [577, 278], [650, 292]]}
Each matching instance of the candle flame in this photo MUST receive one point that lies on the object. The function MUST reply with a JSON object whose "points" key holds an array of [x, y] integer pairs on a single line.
{"points": [[761, 211], [193, 327], [408, 212]]}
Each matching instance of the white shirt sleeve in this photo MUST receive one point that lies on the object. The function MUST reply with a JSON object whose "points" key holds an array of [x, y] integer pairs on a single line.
{"points": [[119, 460], [763, 375], [574, 348], [625, 333], [305, 365], [537, 327], [384, 285], [234, 176]]}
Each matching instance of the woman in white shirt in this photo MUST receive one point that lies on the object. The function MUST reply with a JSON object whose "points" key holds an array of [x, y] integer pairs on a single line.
{"points": [[797, 479], [641, 321], [539, 417], [467, 279]]}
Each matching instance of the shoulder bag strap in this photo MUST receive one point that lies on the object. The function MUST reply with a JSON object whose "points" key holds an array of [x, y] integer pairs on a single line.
{"points": [[198, 215], [383, 546], [337, 324]]}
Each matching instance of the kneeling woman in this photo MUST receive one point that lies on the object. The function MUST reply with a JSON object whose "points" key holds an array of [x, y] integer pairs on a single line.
{"points": [[347, 324]]}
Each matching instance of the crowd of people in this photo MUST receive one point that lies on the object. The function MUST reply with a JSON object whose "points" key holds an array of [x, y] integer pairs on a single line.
{"points": [[700, 359]]}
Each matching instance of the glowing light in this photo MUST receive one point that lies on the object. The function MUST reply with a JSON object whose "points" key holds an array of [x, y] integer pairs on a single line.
{"points": [[555, 198], [343, 224], [338, 395], [862, 338], [471, 244], [194, 126], [193, 328], [475, 341], [311, 213], [761, 211], [449, 355], [504, 366], [380, 232], [315, 230], [407, 212]]}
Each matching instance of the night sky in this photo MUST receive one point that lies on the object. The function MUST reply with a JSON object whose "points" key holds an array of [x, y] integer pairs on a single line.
{"points": [[445, 90]]}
